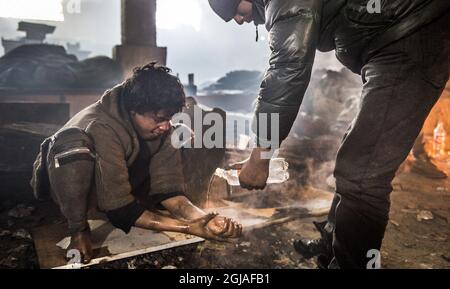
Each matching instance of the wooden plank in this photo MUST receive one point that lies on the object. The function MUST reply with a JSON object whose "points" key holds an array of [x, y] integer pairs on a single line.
{"points": [[109, 243], [45, 239], [133, 253]]}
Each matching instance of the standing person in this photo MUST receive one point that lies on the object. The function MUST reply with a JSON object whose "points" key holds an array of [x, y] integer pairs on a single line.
{"points": [[401, 50]]}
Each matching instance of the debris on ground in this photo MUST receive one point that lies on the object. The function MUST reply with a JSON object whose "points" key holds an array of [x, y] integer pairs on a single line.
{"points": [[282, 262], [424, 215], [4, 233], [131, 264], [21, 211], [22, 234], [394, 223]]}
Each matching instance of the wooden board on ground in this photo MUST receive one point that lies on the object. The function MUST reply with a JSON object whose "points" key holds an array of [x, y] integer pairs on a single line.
{"points": [[109, 243]]}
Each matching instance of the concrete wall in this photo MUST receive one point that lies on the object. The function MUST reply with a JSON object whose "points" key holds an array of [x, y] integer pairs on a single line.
{"points": [[76, 99]]}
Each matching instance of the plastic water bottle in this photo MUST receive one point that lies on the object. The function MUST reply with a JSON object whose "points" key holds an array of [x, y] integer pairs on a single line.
{"points": [[277, 173]]}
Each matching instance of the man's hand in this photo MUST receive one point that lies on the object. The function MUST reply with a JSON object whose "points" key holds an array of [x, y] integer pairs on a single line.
{"points": [[254, 171], [81, 241], [225, 227], [214, 227]]}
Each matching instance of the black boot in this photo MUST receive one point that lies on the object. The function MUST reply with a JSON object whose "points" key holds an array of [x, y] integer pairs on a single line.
{"points": [[317, 247]]}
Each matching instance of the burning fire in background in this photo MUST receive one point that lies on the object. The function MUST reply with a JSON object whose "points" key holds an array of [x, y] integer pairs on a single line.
{"points": [[436, 131]]}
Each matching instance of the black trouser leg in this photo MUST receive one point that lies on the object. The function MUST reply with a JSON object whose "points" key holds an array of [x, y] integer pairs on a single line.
{"points": [[401, 85], [71, 168]]}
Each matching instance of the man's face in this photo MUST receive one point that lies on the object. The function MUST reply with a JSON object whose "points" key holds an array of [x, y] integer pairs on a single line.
{"points": [[151, 125], [244, 12]]}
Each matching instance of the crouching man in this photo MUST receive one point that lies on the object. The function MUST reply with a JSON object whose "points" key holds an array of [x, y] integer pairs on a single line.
{"points": [[116, 154]]}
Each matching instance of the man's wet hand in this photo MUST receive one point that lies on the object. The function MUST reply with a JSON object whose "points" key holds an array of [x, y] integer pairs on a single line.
{"points": [[215, 227], [225, 227]]}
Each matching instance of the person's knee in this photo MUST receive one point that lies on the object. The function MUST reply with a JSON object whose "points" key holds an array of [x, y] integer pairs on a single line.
{"points": [[71, 163], [70, 145], [370, 197]]}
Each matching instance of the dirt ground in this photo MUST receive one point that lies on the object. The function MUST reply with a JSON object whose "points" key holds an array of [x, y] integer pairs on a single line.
{"points": [[408, 243]]}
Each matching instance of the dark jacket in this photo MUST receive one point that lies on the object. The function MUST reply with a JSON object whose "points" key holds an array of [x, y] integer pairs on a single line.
{"points": [[298, 27]]}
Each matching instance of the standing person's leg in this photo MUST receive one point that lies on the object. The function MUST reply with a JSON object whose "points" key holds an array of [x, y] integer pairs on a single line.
{"points": [[401, 85], [71, 171]]}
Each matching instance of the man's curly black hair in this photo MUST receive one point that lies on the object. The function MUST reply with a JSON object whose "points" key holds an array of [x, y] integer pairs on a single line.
{"points": [[152, 88]]}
